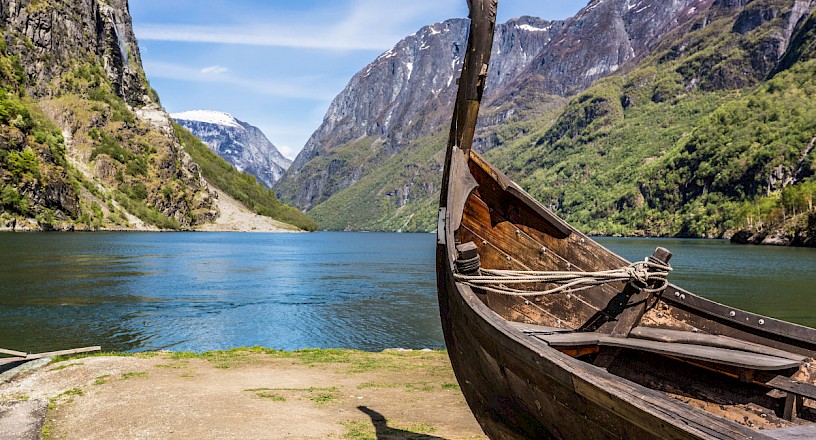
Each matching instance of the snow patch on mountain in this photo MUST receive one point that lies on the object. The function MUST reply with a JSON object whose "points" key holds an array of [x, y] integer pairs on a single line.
{"points": [[239, 143], [208, 116]]}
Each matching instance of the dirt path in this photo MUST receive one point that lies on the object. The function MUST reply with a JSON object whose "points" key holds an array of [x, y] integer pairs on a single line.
{"points": [[250, 394]]}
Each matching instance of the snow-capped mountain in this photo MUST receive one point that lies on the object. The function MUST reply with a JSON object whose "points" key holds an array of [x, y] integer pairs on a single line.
{"points": [[238, 142]]}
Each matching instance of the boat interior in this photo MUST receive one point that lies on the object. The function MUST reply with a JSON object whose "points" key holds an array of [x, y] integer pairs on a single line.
{"points": [[752, 370]]}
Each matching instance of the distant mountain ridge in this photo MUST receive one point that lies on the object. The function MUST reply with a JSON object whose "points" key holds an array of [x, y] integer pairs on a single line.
{"points": [[239, 143]]}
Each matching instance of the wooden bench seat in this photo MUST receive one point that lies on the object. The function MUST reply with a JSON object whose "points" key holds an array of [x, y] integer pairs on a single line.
{"points": [[685, 337], [717, 355], [532, 329]]}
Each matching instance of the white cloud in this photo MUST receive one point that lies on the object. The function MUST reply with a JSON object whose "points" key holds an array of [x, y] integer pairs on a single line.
{"points": [[365, 25], [287, 151], [299, 88], [214, 70]]}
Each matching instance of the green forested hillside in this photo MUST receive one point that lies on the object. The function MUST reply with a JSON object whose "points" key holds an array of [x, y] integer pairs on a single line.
{"points": [[646, 153], [84, 143]]}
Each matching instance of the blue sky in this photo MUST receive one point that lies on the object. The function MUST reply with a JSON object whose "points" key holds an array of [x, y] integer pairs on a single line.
{"points": [[278, 64]]}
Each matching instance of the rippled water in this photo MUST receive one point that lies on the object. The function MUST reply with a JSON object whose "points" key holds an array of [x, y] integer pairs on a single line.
{"points": [[202, 291]]}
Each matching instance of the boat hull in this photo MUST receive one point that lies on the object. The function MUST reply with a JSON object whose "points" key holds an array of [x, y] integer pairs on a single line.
{"points": [[519, 388]]}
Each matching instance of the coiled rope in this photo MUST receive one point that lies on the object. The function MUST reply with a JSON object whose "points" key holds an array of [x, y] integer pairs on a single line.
{"points": [[642, 274]]}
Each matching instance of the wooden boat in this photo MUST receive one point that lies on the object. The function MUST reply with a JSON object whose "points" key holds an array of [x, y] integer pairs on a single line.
{"points": [[553, 336]]}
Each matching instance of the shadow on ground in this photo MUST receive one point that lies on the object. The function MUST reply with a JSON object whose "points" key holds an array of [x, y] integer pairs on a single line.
{"points": [[385, 432]]}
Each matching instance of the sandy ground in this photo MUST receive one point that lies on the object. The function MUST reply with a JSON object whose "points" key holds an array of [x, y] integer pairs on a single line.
{"points": [[236, 217], [248, 394]]}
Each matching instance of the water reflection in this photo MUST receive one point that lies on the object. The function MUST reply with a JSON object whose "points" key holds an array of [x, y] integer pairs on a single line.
{"points": [[203, 291]]}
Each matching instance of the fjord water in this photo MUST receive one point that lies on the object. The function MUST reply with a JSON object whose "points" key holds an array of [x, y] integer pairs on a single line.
{"points": [[203, 291]]}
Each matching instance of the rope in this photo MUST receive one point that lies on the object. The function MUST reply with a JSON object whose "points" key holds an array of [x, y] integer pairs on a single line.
{"points": [[641, 273]]}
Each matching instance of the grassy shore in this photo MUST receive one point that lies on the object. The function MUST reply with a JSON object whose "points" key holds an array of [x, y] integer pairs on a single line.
{"points": [[248, 393]]}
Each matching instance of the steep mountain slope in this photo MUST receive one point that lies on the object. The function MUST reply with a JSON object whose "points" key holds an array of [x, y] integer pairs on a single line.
{"points": [[636, 153], [707, 134], [405, 94], [85, 142], [404, 98], [240, 143]]}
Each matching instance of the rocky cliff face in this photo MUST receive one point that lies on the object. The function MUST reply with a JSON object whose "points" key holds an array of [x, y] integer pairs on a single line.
{"points": [[96, 129], [404, 94], [241, 144], [394, 108], [407, 92], [52, 37]]}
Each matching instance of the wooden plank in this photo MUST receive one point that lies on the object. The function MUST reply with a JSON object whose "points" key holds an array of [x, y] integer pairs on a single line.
{"points": [[724, 356], [535, 328], [11, 360], [718, 355], [13, 353], [796, 391], [793, 386], [684, 337], [807, 432], [63, 352]]}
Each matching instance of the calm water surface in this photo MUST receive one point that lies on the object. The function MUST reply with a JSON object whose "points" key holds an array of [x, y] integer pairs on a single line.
{"points": [[203, 291]]}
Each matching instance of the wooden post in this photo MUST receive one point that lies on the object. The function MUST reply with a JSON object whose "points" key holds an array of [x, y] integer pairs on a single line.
{"points": [[471, 83]]}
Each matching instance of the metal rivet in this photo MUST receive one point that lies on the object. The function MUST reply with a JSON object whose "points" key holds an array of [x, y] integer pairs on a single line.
{"points": [[569, 296], [569, 265], [526, 302], [677, 294], [682, 296], [659, 314], [761, 322], [518, 232], [507, 257], [484, 242], [543, 250], [732, 313], [582, 240]]}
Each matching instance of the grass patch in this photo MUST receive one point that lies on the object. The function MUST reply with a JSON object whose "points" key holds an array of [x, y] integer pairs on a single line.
{"points": [[323, 395], [64, 366], [358, 431], [315, 394], [271, 396], [450, 386], [174, 366], [101, 380], [16, 397], [411, 386], [134, 375], [418, 428]]}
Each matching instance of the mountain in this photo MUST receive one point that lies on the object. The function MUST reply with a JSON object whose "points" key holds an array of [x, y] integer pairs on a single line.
{"points": [[84, 141], [709, 134], [590, 114], [241, 144], [407, 92]]}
